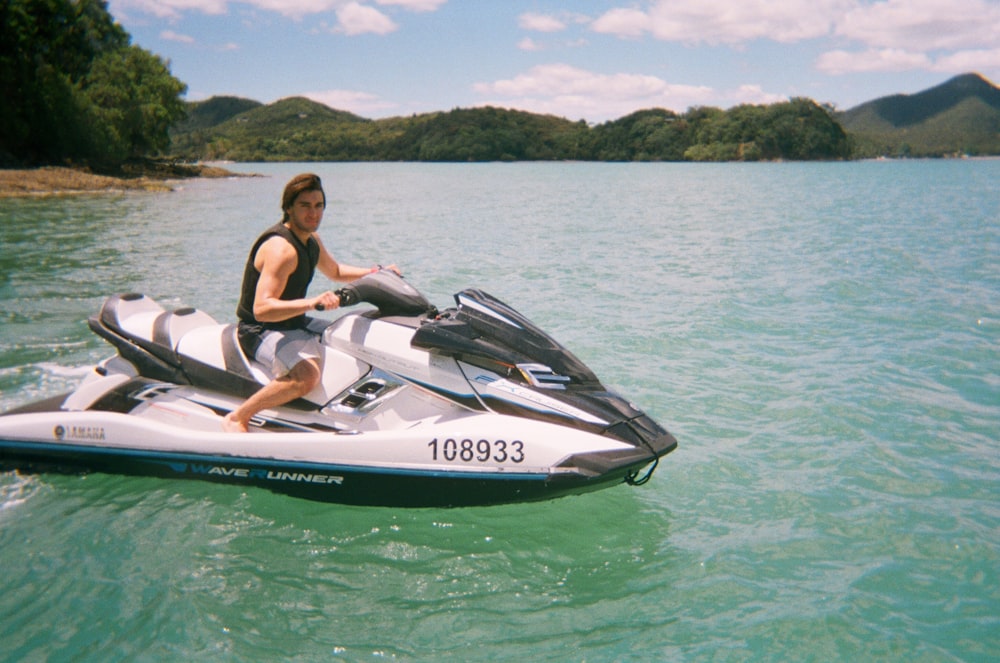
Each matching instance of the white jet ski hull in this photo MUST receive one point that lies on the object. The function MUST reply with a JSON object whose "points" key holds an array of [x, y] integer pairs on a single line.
{"points": [[406, 415]]}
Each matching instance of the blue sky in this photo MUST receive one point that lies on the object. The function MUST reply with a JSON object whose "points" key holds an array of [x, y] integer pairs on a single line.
{"points": [[580, 59]]}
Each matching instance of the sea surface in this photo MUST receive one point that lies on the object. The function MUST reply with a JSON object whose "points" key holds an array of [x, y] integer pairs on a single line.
{"points": [[822, 338]]}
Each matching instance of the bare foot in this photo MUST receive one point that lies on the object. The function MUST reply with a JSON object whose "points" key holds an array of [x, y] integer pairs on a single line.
{"points": [[230, 425]]}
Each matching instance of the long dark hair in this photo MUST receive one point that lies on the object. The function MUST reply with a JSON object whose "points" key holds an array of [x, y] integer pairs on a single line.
{"points": [[298, 184]]}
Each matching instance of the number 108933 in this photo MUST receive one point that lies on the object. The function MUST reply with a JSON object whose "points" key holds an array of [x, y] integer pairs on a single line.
{"points": [[476, 451]]}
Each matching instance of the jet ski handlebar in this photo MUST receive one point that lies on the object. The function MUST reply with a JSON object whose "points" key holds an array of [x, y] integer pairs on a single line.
{"points": [[387, 291]]}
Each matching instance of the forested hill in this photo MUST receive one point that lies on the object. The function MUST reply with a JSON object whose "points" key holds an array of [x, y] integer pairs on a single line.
{"points": [[76, 90], [297, 129], [960, 116]]}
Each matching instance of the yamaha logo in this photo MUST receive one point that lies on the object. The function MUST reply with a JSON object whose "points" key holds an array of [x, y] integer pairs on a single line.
{"points": [[89, 433]]}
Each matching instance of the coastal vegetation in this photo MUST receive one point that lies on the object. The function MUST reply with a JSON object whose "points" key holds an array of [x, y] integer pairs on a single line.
{"points": [[77, 92], [961, 117], [297, 129]]}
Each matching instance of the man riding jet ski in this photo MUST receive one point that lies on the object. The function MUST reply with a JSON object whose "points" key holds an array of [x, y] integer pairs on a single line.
{"points": [[400, 405], [273, 303], [471, 405]]}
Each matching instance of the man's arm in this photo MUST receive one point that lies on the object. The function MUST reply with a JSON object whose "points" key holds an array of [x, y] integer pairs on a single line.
{"points": [[334, 270], [276, 260]]}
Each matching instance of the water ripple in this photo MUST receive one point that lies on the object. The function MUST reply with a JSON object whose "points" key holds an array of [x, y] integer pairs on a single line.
{"points": [[822, 339]]}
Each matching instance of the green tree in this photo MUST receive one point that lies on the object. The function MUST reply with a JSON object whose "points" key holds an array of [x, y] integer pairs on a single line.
{"points": [[132, 100], [52, 53], [298, 129], [796, 130], [801, 129], [647, 135]]}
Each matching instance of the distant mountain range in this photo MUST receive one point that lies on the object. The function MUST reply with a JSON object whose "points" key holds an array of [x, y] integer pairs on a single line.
{"points": [[959, 117]]}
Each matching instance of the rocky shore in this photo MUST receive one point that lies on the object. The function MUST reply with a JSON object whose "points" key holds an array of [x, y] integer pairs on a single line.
{"points": [[63, 181]]}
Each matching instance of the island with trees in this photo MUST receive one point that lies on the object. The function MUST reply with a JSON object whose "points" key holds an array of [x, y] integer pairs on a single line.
{"points": [[78, 93]]}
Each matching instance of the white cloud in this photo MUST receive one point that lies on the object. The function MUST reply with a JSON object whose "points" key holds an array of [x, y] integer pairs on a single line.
{"points": [[173, 9], [725, 21], [170, 9], [966, 61], [356, 19], [875, 35], [908, 25], [570, 92], [883, 60], [897, 60], [359, 103], [529, 44], [623, 23], [415, 5], [170, 35], [929, 35], [540, 23], [923, 25], [749, 94], [565, 79]]}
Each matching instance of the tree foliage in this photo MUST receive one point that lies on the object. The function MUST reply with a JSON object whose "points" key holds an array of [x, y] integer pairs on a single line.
{"points": [[646, 135], [488, 134], [297, 129], [75, 89]]}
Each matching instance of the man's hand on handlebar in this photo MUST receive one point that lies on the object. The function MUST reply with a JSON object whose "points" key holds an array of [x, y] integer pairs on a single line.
{"points": [[326, 301]]}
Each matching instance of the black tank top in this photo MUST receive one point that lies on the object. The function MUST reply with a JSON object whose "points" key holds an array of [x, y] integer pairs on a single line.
{"points": [[298, 282]]}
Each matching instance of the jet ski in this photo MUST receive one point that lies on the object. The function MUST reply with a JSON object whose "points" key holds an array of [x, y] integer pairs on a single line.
{"points": [[417, 407]]}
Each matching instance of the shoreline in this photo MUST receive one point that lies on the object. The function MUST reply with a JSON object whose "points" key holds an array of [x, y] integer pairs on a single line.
{"points": [[67, 181]]}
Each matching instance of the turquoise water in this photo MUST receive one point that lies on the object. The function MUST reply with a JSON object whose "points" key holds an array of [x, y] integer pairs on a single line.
{"points": [[823, 340]]}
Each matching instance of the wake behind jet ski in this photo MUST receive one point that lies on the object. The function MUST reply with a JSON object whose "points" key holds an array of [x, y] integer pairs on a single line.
{"points": [[471, 405]]}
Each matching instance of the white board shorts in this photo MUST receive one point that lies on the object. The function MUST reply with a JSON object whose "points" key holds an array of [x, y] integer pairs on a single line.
{"points": [[280, 351]]}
